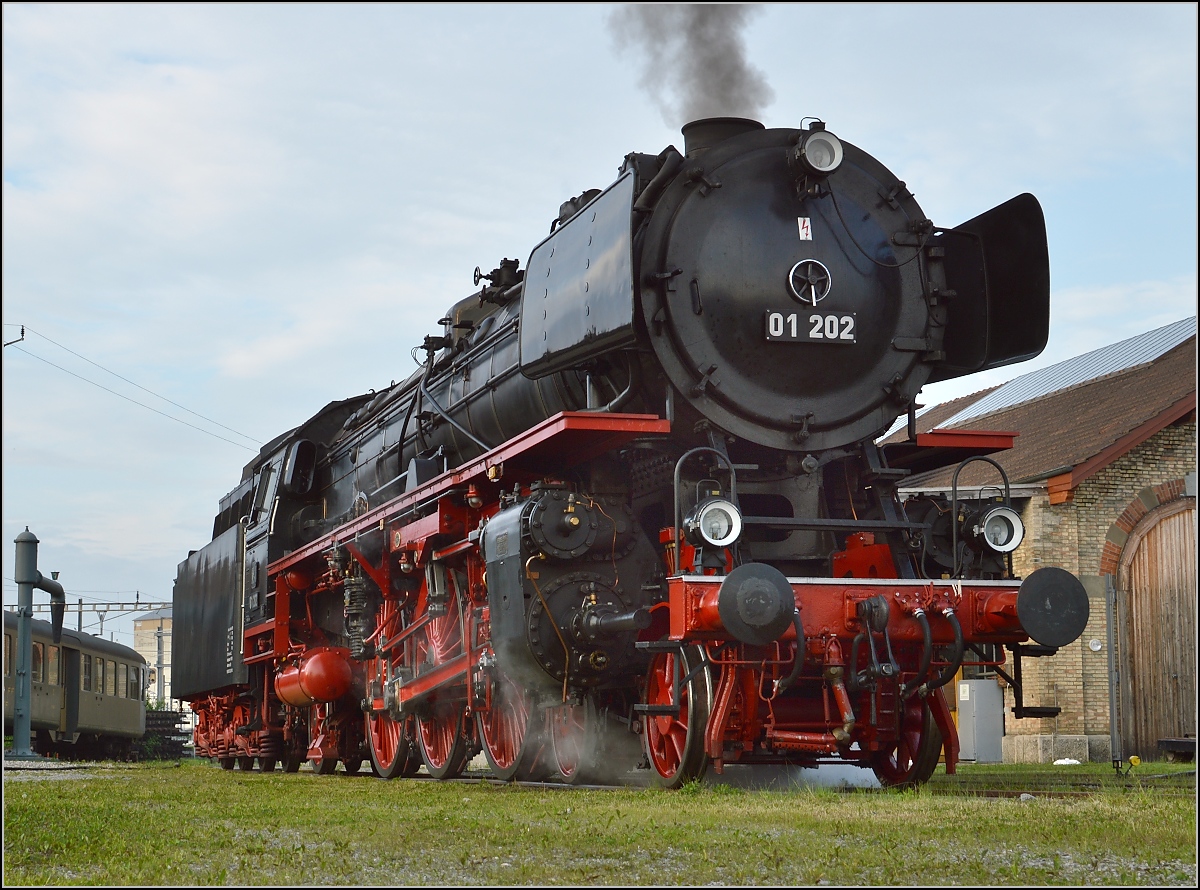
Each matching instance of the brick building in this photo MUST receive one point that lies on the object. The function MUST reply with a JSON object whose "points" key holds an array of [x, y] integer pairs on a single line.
{"points": [[1103, 471]]}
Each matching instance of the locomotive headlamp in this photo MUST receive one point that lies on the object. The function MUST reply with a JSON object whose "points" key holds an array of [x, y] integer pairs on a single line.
{"points": [[714, 522], [1000, 529], [820, 152]]}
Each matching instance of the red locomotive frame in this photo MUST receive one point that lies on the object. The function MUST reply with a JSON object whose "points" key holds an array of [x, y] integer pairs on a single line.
{"points": [[706, 698]]}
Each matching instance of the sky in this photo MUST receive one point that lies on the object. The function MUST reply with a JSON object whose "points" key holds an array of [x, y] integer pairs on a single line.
{"points": [[234, 214]]}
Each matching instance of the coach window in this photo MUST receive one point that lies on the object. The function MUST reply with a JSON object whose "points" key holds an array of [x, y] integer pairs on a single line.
{"points": [[98, 686], [112, 678], [39, 658], [122, 681], [8, 655], [52, 675], [85, 674]]}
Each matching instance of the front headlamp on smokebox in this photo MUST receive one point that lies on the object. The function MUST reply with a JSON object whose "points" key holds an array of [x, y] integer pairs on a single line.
{"points": [[714, 522], [818, 151]]}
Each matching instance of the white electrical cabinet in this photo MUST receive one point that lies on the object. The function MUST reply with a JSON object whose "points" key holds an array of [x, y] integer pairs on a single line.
{"points": [[980, 721]]}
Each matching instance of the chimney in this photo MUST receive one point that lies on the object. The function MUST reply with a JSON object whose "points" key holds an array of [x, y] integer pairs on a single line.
{"points": [[703, 134]]}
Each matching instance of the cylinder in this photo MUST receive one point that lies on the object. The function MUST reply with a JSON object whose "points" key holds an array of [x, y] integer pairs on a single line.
{"points": [[321, 675], [608, 622]]}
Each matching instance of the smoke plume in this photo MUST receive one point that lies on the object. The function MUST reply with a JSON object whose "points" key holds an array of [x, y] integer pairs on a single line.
{"points": [[697, 54]]}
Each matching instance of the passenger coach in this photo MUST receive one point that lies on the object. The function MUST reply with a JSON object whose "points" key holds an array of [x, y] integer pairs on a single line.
{"points": [[88, 694]]}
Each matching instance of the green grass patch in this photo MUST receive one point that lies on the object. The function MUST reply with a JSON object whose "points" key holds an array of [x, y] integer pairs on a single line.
{"points": [[1092, 777], [162, 825]]}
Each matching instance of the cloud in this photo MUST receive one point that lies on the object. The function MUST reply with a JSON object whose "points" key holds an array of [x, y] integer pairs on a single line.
{"points": [[1088, 317], [979, 102]]}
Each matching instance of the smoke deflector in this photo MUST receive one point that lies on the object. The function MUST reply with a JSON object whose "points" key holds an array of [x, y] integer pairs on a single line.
{"points": [[998, 265]]}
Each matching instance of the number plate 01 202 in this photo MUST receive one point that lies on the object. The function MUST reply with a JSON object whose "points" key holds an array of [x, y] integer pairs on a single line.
{"points": [[812, 327]]}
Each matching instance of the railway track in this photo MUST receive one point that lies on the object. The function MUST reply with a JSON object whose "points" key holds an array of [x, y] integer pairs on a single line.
{"points": [[1176, 784], [1030, 792]]}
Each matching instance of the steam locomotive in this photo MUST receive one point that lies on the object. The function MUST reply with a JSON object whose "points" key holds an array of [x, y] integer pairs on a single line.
{"points": [[630, 512]]}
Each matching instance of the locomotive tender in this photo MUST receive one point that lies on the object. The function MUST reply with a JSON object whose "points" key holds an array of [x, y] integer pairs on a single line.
{"points": [[631, 507]]}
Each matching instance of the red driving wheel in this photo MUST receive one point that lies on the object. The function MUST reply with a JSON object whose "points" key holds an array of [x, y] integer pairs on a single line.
{"points": [[440, 730], [393, 751], [573, 740], [674, 742], [912, 757], [511, 732]]}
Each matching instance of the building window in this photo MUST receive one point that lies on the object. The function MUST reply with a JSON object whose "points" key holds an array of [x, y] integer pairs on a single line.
{"points": [[85, 674], [982, 652], [39, 659]]}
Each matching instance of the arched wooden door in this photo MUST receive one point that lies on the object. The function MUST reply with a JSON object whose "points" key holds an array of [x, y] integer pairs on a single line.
{"points": [[1158, 628]]}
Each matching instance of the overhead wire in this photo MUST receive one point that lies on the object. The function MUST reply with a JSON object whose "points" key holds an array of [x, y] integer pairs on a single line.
{"points": [[102, 595], [91, 597], [135, 401], [138, 385]]}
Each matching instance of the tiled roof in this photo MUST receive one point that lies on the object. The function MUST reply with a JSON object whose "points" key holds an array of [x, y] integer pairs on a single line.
{"points": [[934, 417], [1098, 363], [937, 416], [1070, 426]]}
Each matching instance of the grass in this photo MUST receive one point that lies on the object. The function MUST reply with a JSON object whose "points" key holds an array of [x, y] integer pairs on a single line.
{"points": [[1160, 776], [194, 824]]}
